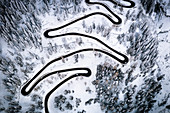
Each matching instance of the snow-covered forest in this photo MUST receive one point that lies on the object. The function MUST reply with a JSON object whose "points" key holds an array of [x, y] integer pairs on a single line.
{"points": [[84, 56]]}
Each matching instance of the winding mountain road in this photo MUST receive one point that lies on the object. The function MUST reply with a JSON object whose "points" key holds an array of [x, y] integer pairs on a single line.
{"points": [[46, 34]]}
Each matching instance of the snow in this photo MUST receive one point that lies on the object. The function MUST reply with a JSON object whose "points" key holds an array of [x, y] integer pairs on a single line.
{"points": [[50, 49]]}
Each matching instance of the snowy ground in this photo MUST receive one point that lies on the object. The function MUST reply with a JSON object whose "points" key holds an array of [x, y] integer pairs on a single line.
{"points": [[134, 87]]}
